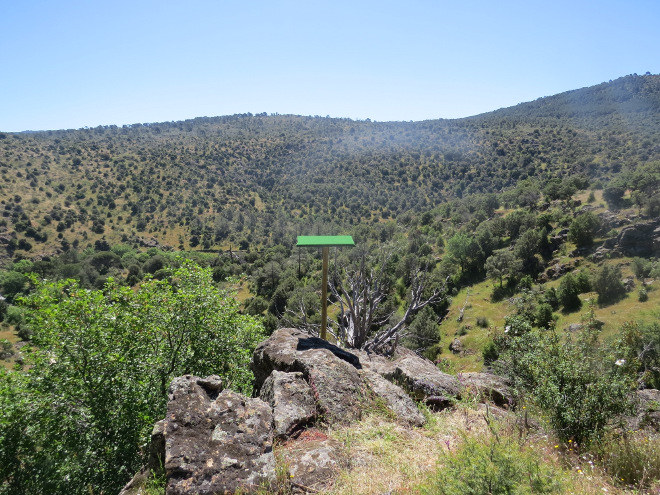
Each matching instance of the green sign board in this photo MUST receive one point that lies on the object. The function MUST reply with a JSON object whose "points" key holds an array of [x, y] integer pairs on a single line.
{"points": [[325, 240]]}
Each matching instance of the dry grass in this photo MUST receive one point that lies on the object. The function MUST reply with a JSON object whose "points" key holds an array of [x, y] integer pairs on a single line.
{"points": [[9, 334], [386, 457]]}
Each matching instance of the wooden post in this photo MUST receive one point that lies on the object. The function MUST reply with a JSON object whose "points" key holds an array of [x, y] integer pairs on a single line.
{"points": [[324, 294]]}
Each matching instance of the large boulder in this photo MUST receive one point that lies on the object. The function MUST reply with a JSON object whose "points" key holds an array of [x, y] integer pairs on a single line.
{"points": [[489, 386], [641, 239], [394, 398], [416, 375], [647, 403], [331, 372], [292, 400], [216, 445]]}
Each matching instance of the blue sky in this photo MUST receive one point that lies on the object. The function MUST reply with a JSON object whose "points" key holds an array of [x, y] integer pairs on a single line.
{"points": [[70, 64]]}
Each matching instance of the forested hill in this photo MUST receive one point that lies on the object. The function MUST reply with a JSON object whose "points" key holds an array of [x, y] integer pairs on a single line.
{"points": [[255, 180], [632, 100]]}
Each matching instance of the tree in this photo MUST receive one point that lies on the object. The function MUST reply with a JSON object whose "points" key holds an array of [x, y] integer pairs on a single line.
{"points": [[98, 375], [362, 293], [13, 283], [501, 264], [613, 194], [569, 293], [583, 229], [465, 250], [607, 283]]}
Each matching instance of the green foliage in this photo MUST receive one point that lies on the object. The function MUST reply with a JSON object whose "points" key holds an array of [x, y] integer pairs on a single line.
{"points": [[490, 353], [568, 293], [613, 194], [575, 380], [13, 284], [638, 346], [98, 375], [498, 465], [607, 283], [423, 331], [502, 264], [544, 317], [583, 229], [643, 295]]}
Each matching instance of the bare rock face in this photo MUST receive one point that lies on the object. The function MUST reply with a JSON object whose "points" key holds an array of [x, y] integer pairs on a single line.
{"points": [[216, 445], [292, 400], [331, 372], [395, 398], [648, 409], [493, 387], [642, 239], [419, 377]]}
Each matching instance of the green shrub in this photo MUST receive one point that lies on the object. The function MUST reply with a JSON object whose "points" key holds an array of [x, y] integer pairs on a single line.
{"points": [[498, 465], [583, 229], [643, 295], [490, 353], [575, 380], [98, 375], [607, 283], [568, 293], [482, 321]]}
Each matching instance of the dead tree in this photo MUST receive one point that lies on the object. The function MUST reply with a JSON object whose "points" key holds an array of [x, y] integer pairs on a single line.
{"points": [[360, 296]]}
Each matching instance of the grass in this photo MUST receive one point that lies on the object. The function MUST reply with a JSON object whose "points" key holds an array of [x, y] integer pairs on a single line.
{"points": [[480, 305], [9, 334], [386, 457]]}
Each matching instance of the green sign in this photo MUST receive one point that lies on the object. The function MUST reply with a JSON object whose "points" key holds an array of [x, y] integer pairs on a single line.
{"points": [[325, 240]]}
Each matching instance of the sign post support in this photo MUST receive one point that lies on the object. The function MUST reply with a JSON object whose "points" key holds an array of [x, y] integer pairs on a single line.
{"points": [[324, 242]]}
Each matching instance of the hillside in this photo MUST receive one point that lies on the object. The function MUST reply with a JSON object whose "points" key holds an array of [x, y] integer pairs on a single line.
{"points": [[257, 180], [510, 257]]}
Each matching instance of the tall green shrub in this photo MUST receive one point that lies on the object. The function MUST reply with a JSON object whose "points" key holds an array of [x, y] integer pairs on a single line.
{"points": [[79, 417]]}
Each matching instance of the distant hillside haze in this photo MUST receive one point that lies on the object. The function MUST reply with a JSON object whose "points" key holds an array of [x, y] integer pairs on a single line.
{"points": [[255, 180]]}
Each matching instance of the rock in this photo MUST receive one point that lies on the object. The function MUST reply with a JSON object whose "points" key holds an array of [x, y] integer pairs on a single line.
{"points": [[396, 399], [574, 327], [331, 372], [456, 346], [216, 446], [292, 400], [493, 387], [421, 378], [416, 375], [312, 464], [337, 376], [156, 460], [628, 283], [639, 239], [647, 403]]}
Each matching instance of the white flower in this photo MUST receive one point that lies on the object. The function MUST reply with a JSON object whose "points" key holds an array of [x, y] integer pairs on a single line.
{"points": [[506, 330], [620, 362]]}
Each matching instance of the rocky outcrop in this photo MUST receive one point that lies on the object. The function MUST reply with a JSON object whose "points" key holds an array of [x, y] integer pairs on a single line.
{"points": [[394, 398], [312, 464], [216, 446], [641, 239], [218, 441], [331, 372], [292, 400], [647, 403], [492, 387]]}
